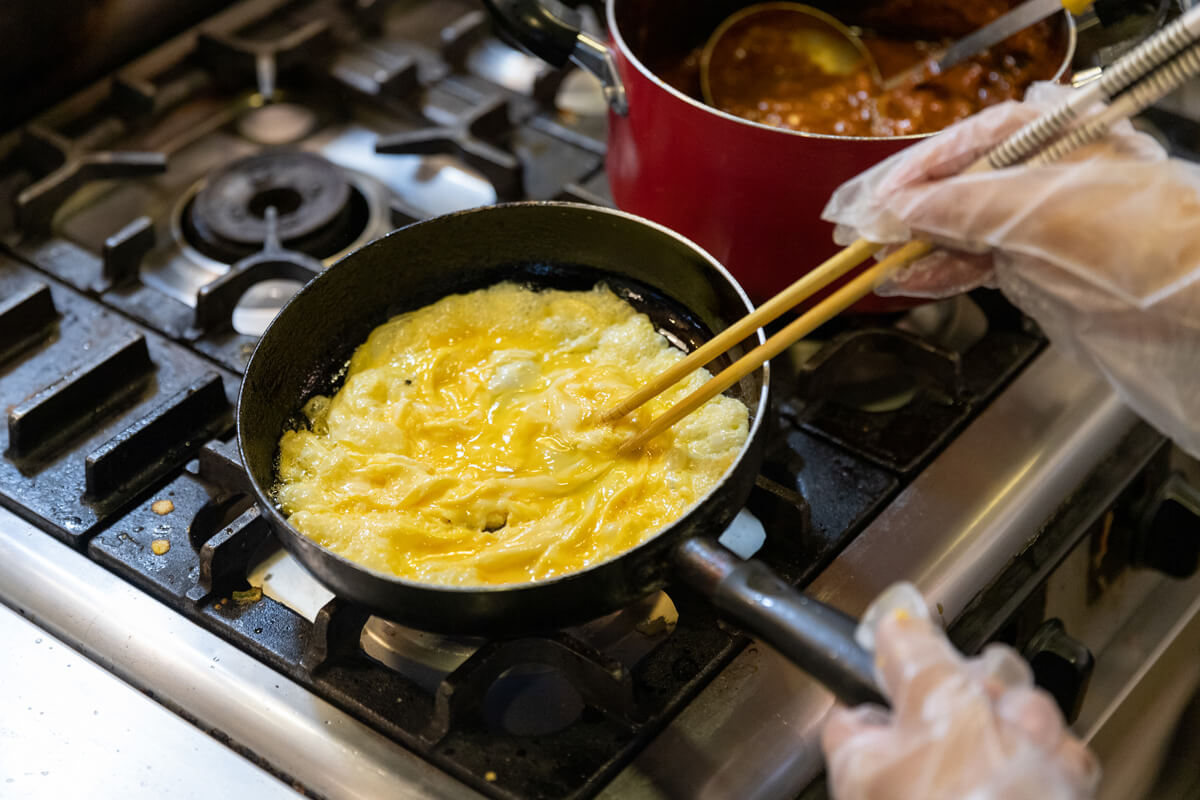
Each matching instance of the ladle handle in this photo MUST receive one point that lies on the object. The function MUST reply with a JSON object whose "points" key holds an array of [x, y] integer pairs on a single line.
{"points": [[817, 638]]}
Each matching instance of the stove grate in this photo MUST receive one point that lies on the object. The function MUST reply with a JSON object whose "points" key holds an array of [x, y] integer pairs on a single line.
{"points": [[98, 408]]}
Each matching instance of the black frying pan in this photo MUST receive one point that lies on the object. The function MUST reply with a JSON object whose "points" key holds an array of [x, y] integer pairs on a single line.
{"points": [[687, 294]]}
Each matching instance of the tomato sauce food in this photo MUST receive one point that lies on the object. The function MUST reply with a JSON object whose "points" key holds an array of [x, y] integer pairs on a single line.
{"points": [[852, 104]]}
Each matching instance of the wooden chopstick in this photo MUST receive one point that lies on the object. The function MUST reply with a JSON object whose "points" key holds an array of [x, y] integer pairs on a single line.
{"points": [[813, 281], [860, 286]]}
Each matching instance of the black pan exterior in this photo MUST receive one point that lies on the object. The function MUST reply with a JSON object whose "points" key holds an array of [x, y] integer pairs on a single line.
{"points": [[684, 291]]}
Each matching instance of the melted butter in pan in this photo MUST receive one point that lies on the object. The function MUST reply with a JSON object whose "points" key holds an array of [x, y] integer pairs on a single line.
{"points": [[463, 448]]}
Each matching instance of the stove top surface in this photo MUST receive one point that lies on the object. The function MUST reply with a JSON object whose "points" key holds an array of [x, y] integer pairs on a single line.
{"points": [[159, 219]]}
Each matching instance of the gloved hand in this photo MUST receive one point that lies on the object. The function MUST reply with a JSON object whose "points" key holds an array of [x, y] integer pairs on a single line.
{"points": [[1102, 249], [959, 729]]}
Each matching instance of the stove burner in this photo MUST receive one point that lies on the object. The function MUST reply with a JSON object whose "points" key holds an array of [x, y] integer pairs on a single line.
{"points": [[318, 211], [876, 382], [532, 700], [956, 324], [533, 686], [427, 658], [306, 190]]}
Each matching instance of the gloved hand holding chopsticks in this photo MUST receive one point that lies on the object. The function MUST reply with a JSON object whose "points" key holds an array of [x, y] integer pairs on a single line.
{"points": [[1102, 248], [959, 727]]}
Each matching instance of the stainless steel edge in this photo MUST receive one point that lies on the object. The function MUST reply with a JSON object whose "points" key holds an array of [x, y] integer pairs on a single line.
{"points": [[1143, 680], [193, 671], [755, 731], [68, 726]]}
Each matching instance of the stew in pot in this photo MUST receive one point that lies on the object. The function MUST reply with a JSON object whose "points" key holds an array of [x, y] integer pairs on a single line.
{"points": [[852, 105]]}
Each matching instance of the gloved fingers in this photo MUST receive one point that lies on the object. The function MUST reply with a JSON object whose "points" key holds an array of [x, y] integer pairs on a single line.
{"points": [[999, 669], [1085, 218], [977, 211], [912, 657], [965, 215], [1079, 764], [959, 146], [860, 747], [1032, 714], [860, 205], [955, 148], [866, 206], [942, 273], [899, 600], [958, 728], [845, 724], [875, 760]]}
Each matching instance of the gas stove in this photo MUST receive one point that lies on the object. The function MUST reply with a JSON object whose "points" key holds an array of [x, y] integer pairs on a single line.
{"points": [[153, 224]]}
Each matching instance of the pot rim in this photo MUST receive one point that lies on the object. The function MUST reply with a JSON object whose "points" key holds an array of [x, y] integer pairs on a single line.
{"points": [[627, 54]]}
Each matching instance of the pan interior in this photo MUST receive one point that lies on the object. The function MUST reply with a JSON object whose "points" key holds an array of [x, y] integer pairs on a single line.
{"points": [[683, 329], [687, 296]]}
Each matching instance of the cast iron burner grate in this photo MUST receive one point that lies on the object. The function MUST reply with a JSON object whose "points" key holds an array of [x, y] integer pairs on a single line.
{"points": [[319, 213], [895, 398]]}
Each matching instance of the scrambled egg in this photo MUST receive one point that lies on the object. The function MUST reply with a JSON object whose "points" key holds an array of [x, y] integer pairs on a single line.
{"points": [[464, 447]]}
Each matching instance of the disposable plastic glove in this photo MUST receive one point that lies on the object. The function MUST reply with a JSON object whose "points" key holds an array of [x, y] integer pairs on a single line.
{"points": [[959, 729], [1102, 249]]}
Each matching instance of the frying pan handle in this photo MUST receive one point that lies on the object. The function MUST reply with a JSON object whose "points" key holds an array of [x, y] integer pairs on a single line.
{"points": [[552, 32], [817, 638]]}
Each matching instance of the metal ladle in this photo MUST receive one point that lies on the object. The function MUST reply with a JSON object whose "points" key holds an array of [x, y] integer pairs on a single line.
{"points": [[817, 44]]}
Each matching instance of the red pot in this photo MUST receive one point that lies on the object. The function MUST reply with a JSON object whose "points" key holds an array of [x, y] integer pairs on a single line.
{"points": [[748, 193]]}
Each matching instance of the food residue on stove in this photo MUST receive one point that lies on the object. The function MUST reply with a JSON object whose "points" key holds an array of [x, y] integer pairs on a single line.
{"points": [[162, 507], [247, 596], [160, 546], [463, 446]]}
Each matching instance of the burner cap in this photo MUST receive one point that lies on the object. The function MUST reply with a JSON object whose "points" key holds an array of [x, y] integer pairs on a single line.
{"points": [[307, 191]]}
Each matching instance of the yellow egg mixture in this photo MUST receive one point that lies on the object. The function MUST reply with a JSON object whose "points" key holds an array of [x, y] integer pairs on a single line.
{"points": [[464, 447]]}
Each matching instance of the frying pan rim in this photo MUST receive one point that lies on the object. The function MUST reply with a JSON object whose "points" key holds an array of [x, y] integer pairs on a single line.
{"points": [[266, 505]]}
